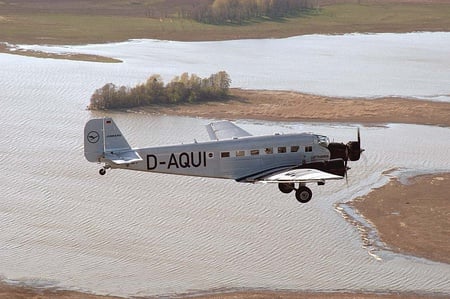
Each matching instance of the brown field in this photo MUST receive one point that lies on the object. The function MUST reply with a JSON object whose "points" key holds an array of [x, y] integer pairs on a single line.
{"points": [[295, 106], [97, 21]]}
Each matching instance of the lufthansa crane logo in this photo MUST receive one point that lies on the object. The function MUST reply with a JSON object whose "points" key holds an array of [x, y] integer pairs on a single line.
{"points": [[93, 137]]}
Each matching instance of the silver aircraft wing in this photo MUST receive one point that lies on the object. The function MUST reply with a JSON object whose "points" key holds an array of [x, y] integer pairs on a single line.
{"points": [[225, 130], [123, 157], [301, 175]]}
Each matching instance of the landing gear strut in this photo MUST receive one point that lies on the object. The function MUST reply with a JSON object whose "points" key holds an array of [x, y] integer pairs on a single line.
{"points": [[303, 194]]}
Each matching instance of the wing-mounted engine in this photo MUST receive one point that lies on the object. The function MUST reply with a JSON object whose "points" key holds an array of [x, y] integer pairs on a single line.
{"points": [[333, 166]]}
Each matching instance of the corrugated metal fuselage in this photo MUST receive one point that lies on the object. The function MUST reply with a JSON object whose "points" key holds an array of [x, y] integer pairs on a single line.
{"points": [[233, 158]]}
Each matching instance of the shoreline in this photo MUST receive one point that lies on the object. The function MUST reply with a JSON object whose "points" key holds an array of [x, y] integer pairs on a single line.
{"points": [[96, 22], [16, 50], [8, 291], [285, 106], [409, 218]]}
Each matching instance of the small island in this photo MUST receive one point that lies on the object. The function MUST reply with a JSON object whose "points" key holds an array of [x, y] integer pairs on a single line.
{"points": [[182, 89]]}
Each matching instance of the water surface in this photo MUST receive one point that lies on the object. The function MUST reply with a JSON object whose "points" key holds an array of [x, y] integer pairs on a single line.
{"points": [[352, 65]]}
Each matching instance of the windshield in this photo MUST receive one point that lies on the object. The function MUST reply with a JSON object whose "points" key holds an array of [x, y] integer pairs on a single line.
{"points": [[323, 140]]}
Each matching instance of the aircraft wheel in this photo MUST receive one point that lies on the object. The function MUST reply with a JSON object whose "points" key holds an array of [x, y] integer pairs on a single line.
{"points": [[102, 171], [286, 187], [303, 194]]}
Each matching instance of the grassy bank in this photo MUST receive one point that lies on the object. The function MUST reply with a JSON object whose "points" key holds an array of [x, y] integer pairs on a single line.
{"points": [[63, 26], [83, 22]]}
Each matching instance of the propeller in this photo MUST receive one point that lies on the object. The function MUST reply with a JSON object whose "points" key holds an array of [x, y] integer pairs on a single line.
{"points": [[345, 165], [350, 151], [354, 148]]}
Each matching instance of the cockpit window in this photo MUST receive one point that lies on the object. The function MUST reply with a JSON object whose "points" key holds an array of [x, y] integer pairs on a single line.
{"points": [[322, 140]]}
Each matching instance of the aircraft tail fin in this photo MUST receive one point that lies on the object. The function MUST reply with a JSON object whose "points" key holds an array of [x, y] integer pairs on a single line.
{"points": [[102, 135]]}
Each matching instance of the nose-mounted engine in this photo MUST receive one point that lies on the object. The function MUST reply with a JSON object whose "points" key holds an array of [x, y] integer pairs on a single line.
{"points": [[350, 151]]}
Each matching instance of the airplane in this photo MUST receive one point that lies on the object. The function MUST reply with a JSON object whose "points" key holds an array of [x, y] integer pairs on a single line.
{"points": [[232, 153]]}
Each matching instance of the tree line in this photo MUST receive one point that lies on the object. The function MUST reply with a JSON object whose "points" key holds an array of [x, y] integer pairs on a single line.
{"points": [[238, 11], [182, 89]]}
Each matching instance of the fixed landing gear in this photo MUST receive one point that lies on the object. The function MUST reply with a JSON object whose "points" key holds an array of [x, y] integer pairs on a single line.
{"points": [[286, 187], [303, 194]]}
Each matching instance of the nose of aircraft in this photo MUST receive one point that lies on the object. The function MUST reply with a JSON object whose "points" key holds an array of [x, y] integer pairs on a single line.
{"points": [[350, 151]]}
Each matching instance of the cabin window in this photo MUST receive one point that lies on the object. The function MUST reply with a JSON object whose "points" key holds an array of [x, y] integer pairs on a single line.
{"points": [[240, 153], [268, 150], [294, 148], [308, 148], [254, 152], [225, 154], [281, 149]]}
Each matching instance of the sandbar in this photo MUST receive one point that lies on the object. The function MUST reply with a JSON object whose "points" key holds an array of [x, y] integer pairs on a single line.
{"points": [[295, 106], [412, 218], [23, 292]]}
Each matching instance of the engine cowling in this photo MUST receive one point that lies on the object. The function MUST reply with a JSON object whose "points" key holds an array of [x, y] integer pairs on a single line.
{"points": [[350, 151], [334, 166], [354, 150]]}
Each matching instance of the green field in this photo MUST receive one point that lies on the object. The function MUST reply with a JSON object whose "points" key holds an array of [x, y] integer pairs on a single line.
{"points": [[95, 21], [63, 27]]}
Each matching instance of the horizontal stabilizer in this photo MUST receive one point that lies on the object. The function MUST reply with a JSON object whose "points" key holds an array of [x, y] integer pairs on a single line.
{"points": [[225, 130], [126, 157]]}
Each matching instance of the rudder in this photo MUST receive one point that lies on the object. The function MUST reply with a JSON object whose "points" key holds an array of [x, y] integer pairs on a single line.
{"points": [[93, 140], [102, 135]]}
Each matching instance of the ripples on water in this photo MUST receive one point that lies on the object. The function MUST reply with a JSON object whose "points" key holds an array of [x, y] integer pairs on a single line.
{"points": [[352, 65], [132, 233]]}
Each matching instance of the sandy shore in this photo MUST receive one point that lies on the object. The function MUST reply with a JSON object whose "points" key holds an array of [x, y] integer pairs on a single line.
{"points": [[21, 292], [15, 292], [10, 292], [413, 219], [294, 106]]}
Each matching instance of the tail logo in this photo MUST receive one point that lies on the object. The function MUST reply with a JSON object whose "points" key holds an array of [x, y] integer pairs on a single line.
{"points": [[93, 137]]}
